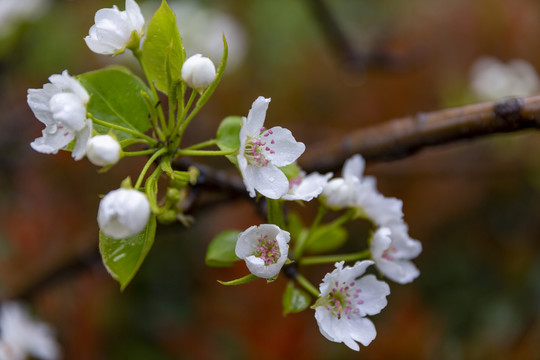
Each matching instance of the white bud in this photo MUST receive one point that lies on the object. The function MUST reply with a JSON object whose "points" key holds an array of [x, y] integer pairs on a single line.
{"points": [[198, 72], [103, 150], [123, 213]]}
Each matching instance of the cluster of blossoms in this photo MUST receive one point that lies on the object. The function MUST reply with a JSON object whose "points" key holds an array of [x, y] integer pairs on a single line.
{"points": [[62, 106], [21, 336], [265, 157], [345, 297]]}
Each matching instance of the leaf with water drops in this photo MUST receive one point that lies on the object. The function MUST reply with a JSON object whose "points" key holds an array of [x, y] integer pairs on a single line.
{"points": [[124, 257]]}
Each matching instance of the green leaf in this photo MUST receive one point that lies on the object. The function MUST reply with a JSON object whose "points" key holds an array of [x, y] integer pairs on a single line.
{"points": [[325, 239], [296, 226], [124, 257], [291, 170], [116, 97], [294, 300], [163, 52], [240, 281], [221, 250], [228, 135]]}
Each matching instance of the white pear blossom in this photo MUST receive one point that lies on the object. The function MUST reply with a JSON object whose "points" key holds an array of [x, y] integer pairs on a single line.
{"points": [[342, 192], [492, 79], [263, 151], [392, 249], [346, 298], [21, 336], [61, 106], [307, 187], [123, 213], [116, 30], [198, 72], [382, 210], [264, 248], [103, 150]]}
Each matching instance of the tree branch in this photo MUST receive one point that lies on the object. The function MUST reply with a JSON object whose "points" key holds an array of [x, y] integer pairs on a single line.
{"points": [[351, 57], [403, 137]]}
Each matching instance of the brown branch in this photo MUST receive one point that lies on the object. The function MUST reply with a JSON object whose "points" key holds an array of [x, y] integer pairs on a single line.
{"points": [[403, 137]]}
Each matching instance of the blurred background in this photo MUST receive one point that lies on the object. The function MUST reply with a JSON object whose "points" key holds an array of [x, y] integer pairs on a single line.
{"points": [[475, 206]]}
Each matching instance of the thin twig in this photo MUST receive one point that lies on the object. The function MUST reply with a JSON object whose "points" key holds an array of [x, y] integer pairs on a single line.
{"points": [[351, 57]]}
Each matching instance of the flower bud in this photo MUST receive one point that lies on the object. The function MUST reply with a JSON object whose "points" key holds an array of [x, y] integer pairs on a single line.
{"points": [[103, 150], [198, 72], [123, 213]]}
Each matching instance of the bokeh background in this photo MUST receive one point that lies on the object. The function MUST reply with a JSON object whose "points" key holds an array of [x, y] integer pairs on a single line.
{"points": [[475, 206]]}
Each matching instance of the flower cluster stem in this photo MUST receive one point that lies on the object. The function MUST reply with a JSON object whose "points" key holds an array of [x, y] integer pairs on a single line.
{"points": [[275, 212], [137, 133], [307, 285], [156, 155], [328, 259]]}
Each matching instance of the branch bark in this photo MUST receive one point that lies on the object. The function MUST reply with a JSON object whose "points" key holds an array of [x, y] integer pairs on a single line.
{"points": [[403, 137]]}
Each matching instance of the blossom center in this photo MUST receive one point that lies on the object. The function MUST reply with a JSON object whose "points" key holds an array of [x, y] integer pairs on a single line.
{"points": [[268, 250], [343, 299], [387, 254], [295, 181], [257, 148]]}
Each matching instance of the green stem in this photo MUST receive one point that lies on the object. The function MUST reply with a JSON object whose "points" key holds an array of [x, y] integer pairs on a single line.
{"points": [[173, 106], [204, 152], [128, 142], [275, 212], [182, 122], [301, 243], [150, 140], [138, 153], [202, 145], [307, 285], [343, 218], [147, 166], [138, 55], [326, 259]]}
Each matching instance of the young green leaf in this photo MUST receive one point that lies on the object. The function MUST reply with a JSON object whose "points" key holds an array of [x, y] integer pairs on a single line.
{"points": [[294, 300], [221, 251], [163, 52], [116, 97], [124, 257], [326, 239], [228, 135]]}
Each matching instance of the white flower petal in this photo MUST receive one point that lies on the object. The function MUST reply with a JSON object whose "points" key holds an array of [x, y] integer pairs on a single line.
{"points": [[134, 14], [268, 180], [362, 330], [256, 116], [373, 295], [81, 141], [286, 148], [354, 167], [68, 109], [310, 187], [51, 142]]}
